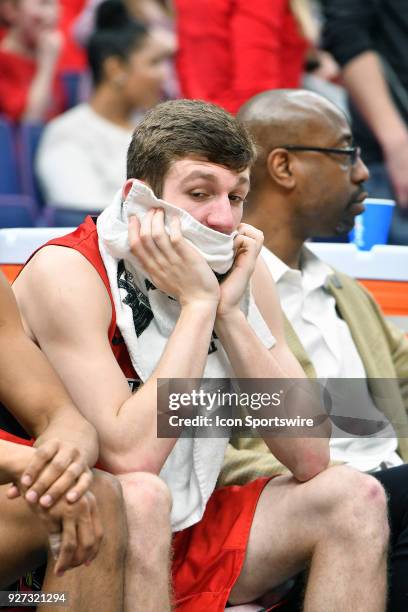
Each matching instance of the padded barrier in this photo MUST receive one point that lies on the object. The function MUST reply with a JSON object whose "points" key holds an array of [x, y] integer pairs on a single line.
{"points": [[383, 270]]}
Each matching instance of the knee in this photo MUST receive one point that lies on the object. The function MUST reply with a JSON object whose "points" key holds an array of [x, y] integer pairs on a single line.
{"points": [[108, 493], [359, 490], [147, 497], [148, 507], [356, 503], [109, 500]]}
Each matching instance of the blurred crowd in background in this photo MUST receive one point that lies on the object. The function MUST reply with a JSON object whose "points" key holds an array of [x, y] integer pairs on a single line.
{"points": [[77, 75]]}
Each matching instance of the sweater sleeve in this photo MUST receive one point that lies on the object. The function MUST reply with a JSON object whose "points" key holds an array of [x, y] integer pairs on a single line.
{"points": [[398, 342]]}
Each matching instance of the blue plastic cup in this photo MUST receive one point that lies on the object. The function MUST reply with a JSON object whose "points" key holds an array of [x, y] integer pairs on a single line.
{"points": [[373, 225]]}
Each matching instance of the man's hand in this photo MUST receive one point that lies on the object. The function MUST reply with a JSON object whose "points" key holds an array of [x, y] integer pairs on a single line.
{"points": [[54, 469], [396, 159], [174, 266], [247, 246], [75, 531]]}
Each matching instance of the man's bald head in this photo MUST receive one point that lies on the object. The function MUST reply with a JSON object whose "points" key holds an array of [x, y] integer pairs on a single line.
{"points": [[288, 117]]}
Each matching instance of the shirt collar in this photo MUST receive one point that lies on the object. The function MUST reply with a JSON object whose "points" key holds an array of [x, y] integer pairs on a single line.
{"points": [[276, 266], [314, 271]]}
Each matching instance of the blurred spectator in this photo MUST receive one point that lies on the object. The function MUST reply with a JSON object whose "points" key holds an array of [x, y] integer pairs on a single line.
{"points": [[81, 158], [159, 17], [370, 41], [155, 15], [29, 52], [229, 50]]}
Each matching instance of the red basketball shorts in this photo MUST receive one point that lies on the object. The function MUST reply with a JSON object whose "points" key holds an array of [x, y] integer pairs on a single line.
{"points": [[208, 557]]}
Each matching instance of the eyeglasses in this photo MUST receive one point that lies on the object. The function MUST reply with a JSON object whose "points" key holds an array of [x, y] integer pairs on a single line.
{"points": [[353, 152]]}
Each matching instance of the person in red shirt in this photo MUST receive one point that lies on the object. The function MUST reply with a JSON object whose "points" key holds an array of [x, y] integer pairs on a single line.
{"points": [[29, 53], [230, 50]]}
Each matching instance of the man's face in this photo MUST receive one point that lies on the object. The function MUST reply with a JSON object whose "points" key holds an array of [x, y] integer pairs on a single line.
{"points": [[212, 194], [330, 187]]}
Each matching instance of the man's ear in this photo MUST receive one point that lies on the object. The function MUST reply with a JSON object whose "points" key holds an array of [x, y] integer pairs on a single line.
{"points": [[280, 168], [114, 69], [126, 188]]}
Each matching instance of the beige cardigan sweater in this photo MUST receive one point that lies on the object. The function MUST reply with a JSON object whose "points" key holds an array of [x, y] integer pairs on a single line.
{"points": [[383, 349]]}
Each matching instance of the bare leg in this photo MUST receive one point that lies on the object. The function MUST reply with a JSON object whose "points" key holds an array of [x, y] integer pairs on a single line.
{"points": [[335, 523], [148, 505], [24, 546], [23, 541], [101, 585]]}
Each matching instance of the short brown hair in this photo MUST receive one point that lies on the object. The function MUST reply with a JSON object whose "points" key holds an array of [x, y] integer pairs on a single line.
{"points": [[179, 128]]}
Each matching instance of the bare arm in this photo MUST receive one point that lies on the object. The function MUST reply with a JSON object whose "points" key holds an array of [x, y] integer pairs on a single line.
{"points": [[70, 317], [13, 460], [365, 81], [66, 442], [305, 457], [30, 388], [75, 530]]}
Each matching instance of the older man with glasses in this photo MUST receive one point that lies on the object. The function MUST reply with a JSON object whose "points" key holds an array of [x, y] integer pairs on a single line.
{"points": [[308, 180]]}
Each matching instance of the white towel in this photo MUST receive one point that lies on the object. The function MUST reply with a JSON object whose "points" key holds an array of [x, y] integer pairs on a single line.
{"points": [[146, 318]]}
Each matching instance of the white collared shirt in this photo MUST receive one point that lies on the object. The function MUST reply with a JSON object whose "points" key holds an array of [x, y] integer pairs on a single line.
{"points": [[311, 310]]}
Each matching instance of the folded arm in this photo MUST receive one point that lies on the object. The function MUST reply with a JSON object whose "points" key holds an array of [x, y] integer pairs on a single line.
{"points": [[304, 456]]}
